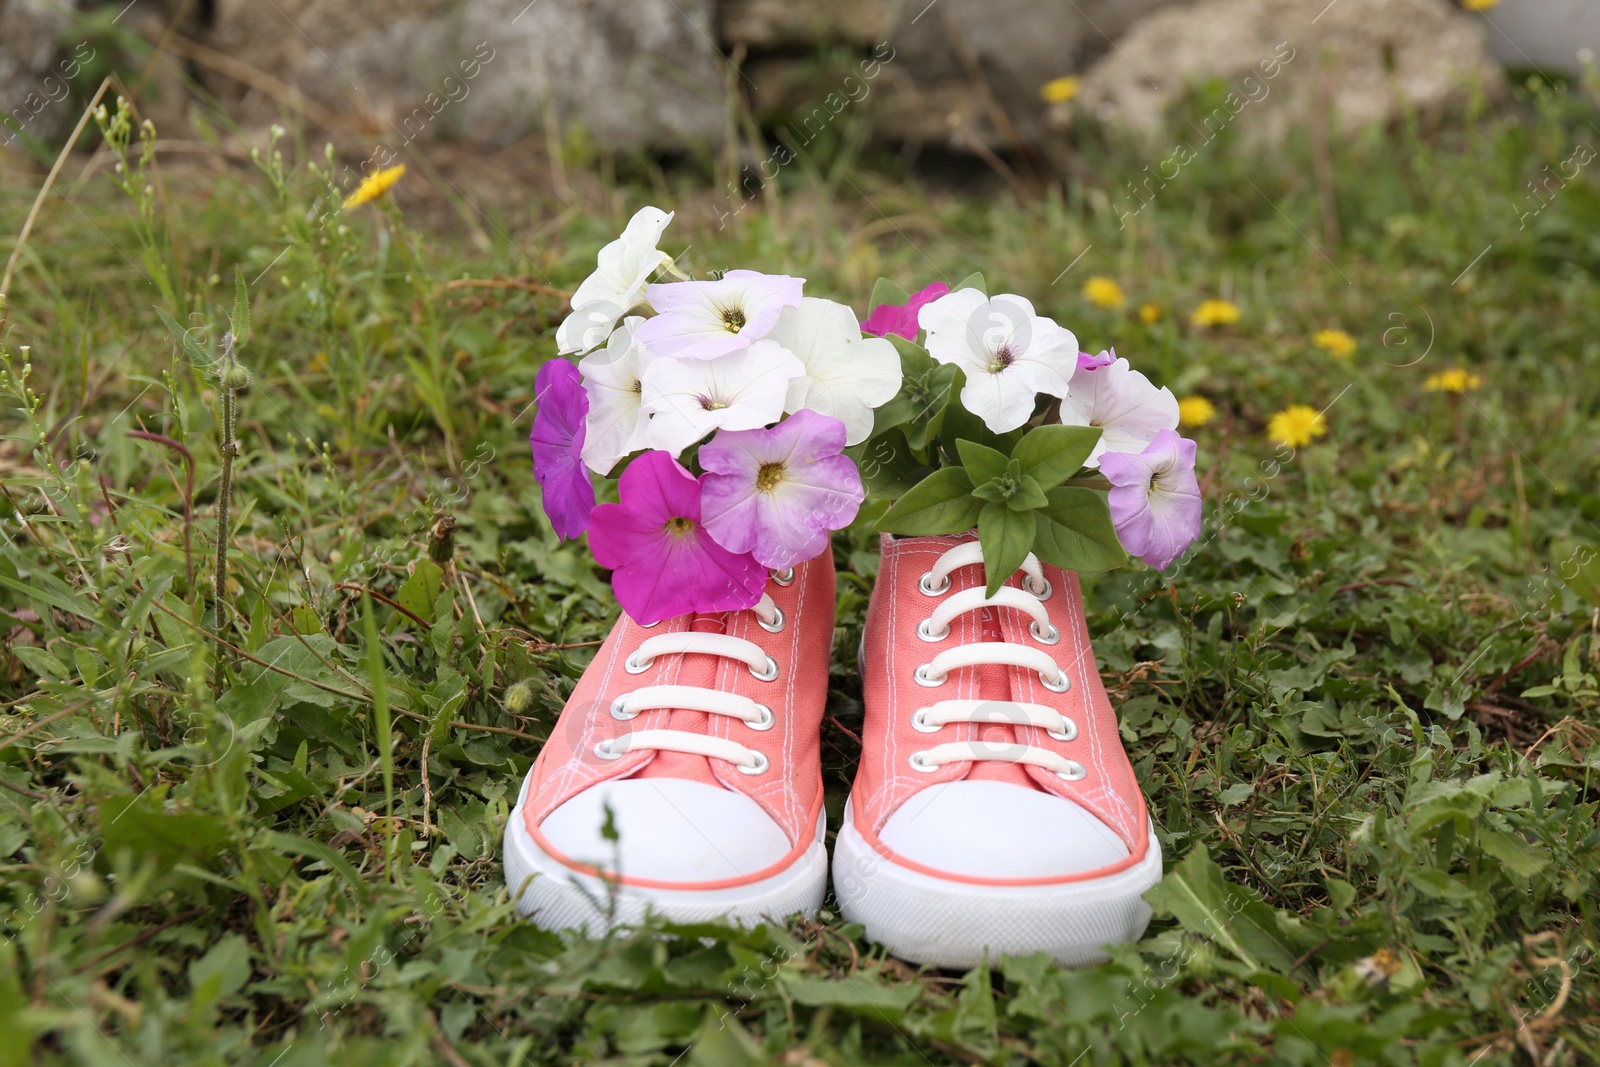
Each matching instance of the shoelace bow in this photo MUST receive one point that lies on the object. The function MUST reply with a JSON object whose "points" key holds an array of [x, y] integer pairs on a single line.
{"points": [[936, 628]]}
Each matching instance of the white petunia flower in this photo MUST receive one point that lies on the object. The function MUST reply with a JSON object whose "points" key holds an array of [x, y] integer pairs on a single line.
{"points": [[617, 285], [612, 379], [1129, 410], [704, 320], [743, 390], [1009, 354], [846, 375]]}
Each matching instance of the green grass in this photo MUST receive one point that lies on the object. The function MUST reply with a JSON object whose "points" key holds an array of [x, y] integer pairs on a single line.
{"points": [[1364, 709]]}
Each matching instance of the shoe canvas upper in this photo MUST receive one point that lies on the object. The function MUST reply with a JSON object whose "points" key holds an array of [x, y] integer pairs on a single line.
{"points": [[789, 790], [892, 651]]}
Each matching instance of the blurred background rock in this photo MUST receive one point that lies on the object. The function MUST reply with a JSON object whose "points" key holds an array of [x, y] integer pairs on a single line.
{"points": [[1010, 83]]}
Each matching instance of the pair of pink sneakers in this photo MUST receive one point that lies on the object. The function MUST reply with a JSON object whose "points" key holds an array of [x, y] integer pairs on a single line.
{"points": [[994, 811]]}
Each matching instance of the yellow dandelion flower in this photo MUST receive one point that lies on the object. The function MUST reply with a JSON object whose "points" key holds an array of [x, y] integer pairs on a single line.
{"points": [[1215, 313], [374, 186], [1195, 411], [1335, 342], [1296, 425], [1478, 5], [1103, 292], [1454, 380], [1150, 314], [1060, 90]]}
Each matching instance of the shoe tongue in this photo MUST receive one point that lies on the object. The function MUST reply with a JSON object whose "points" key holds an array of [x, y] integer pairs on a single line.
{"points": [[994, 683], [696, 670]]}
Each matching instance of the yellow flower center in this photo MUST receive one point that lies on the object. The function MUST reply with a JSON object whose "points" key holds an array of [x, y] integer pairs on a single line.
{"points": [[733, 319], [768, 475], [679, 526]]}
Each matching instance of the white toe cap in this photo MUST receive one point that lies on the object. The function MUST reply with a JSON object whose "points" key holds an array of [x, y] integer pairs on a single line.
{"points": [[990, 829], [669, 829]]}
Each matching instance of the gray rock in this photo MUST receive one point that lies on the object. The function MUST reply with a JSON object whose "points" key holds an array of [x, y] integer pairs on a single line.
{"points": [[1283, 59], [36, 69], [632, 73], [1546, 35]]}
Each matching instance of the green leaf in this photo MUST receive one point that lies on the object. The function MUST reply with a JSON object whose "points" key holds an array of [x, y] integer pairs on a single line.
{"points": [[982, 463], [222, 971], [192, 350], [860, 994], [1195, 893], [886, 292], [420, 590], [1052, 454], [241, 310], [317, 850], [1074, 531], [1028, 496], [941, 503], [888, 466], [1006, 537], [971, 281]]}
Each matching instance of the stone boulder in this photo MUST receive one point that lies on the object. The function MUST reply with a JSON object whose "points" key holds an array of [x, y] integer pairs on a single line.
{"points": [[632, 73], [36, 70], [1281, 60]]}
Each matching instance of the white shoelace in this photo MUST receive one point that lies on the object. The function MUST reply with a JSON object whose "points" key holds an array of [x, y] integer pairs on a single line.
{"points": [[753, 713], [936, 628]]}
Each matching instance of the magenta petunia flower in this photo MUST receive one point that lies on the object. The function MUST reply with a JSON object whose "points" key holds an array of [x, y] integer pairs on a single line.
{"points": [[557, 442], [778, 493], [1155, 499], [1104, 359], [663, 560], [901, 319]]}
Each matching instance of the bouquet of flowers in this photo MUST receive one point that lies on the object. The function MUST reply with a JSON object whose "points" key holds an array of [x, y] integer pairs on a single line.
{"points": [[737, 423]]}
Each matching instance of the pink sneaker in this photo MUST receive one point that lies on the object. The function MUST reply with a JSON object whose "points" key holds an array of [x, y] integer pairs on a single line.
{"points": [[701, 734], [994, 812]]}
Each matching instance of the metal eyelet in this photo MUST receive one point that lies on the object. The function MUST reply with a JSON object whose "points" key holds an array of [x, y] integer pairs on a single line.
{"points": [[763, 720], [603, 750], [925, 583], [925, 631], [1075, 772], [767, 673], [1068, 734], [633, 667], [783, 577], [919, 762], [920, 723], [1048, 637], [1027, 584], [761, 765], [1061, 683], [776, 625], [649, 625], [924, 676], [619, 709]]}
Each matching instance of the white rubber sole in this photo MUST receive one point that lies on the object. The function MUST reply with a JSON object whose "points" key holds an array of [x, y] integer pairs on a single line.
{"points": [[556, 897], [944, 923]]}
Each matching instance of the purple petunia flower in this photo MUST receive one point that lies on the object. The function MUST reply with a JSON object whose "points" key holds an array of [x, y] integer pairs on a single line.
{"points": [[1155, 499], [901, 319], [663, 560], [557, 442], [777, 493]]}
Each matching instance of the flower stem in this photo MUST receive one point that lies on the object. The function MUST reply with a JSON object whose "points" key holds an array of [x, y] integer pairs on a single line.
{"points": [[230, 448], [1091, 481]]}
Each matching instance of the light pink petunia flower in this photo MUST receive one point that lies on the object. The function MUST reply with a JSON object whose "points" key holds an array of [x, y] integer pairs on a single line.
{"points": [[1129, 410], [778, 493], [704, 320], [1155, 500]]}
